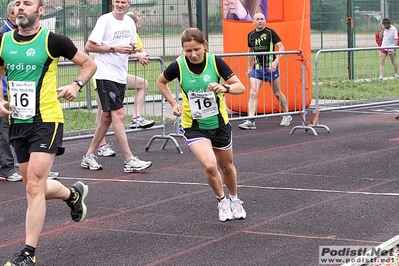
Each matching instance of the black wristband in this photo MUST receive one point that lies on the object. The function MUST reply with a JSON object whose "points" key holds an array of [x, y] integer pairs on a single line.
{"points": [[227, 88]]}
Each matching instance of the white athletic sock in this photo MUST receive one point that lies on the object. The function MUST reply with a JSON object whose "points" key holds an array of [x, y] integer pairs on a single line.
{"points": [[233, 198]]}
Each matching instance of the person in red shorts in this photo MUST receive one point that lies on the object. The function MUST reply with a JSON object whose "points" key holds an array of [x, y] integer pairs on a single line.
{"points": [[388, 36]]}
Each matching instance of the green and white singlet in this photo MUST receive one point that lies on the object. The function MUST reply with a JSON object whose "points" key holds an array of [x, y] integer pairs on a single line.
{"points": [[202, 108], [32, 78]]}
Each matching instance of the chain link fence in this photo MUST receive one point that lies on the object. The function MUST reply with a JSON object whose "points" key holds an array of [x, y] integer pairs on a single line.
{"points": [[333, 20], [162, 21]]}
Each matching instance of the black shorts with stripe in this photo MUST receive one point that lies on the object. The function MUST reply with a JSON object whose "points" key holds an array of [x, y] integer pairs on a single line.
{"points": [[36, 137]]}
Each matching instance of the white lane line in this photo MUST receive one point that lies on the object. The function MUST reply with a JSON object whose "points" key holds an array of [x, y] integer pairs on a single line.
{"points": [[240, 186]]}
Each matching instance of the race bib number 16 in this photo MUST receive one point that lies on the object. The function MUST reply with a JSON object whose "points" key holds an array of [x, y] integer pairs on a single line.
{"points": [[22, 99], [203, 104]]}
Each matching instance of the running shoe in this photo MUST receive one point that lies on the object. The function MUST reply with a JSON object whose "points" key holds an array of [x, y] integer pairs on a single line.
{"points": [[141, 122], [286, 121], [77, 204], [134, 164], [381, 77], [225, 213], [53, 175], [106, 151], [89, 162], [15, 177], [238, 210], [23, 259], [248, 124], [396, 76]]}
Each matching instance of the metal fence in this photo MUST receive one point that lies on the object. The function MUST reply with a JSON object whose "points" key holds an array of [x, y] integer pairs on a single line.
{"points": [[291, 76], [350, 78], [80, 114], [162, 21], [349, 23], [295, 79]]}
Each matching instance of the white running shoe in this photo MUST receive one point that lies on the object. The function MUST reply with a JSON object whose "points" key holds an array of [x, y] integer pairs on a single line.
{"points": [[89, 162], [15, 177], [248, 124], [381, 77], [106, 151], [225, 213], [238, 210], [134, 164], [53, 175], [286, 121], [141, 122]]}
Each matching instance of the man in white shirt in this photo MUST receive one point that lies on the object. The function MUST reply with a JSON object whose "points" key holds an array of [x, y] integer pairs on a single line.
{"points": [[113, 39], [389, 36]]}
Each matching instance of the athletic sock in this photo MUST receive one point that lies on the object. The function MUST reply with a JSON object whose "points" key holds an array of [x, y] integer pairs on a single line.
{"points": [[71, 196], [221, 198], [31, 250], [233, 198]]}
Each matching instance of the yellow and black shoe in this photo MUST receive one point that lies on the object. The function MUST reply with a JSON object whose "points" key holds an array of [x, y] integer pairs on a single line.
{"points": [[23, 259], [77, 204]]}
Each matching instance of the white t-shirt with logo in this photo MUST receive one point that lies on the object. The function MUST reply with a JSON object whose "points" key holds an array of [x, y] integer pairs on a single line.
{"points": [[110, 31], [390, 35]]}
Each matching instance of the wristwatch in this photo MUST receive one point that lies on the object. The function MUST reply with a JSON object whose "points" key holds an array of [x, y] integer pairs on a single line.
{"points": [[112, 49], [80, 83], [227, 87]]}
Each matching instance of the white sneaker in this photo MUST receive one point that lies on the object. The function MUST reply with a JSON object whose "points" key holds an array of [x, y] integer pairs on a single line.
{"points": [[238, 210], [286, 121], [248, 124], [53, 175], [90, 162], [225, 213], [381, 77], [396, 76], [141, 122], [15, 177], [106, 151], [134, 164]]}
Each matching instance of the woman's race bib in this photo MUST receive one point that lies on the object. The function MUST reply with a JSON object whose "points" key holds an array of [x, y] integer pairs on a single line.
{"points": [[203, 104]]}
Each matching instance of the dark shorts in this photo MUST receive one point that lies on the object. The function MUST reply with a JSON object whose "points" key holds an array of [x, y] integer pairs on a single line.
{"points": [[111, 94], [220, 137], [264, 74], [36, 137]]}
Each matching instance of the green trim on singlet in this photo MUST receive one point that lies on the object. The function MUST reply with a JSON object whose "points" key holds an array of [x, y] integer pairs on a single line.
{"points": [[31, 61], [191, 82]]}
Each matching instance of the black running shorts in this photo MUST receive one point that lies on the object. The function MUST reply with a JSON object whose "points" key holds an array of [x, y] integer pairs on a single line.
{"points": [[36, 137], [111, 94], [220, 137]]}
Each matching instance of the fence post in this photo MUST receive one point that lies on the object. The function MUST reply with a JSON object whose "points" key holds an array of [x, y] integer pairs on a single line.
{"points": [[163, 136], [304, 126]]}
